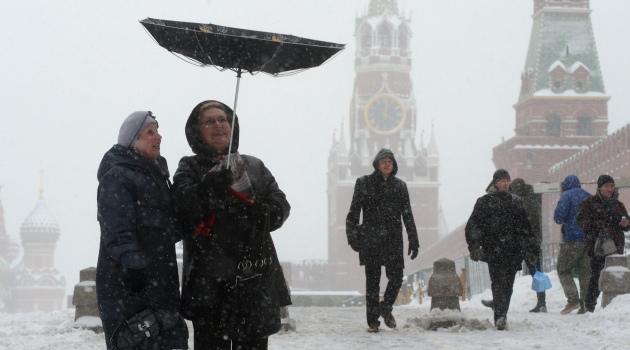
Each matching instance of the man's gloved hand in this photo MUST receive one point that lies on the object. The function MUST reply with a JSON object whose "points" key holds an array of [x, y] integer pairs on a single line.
{"points": [[531, 258], [220, 181], [413, 251], [138, 281], [476, 254]]}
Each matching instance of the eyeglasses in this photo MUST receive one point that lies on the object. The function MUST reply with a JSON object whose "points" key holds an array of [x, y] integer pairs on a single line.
{"points": [[210, 122]]}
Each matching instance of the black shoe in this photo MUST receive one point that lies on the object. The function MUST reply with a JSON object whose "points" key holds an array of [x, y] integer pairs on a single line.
{"points": [[501, 323], [389, 319], [373, 328], [488, 303]]}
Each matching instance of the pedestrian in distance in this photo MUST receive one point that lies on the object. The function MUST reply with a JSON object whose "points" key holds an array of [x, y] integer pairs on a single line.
{"points": [[137, 263], [499, 233], [572, 249], [221, 207], [599, 214], [384, 200]]}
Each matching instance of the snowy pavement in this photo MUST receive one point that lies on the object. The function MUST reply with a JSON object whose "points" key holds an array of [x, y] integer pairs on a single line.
{"points": [[344, 328]]}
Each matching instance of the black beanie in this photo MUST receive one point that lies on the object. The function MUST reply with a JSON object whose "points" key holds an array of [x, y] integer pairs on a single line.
{"points": [[604, 179], [499, 174]]}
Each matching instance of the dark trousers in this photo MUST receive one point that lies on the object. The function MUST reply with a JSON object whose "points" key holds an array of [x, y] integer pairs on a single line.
{"points": [[372, 290], [206, 338], [597, 264], [502, 282]]}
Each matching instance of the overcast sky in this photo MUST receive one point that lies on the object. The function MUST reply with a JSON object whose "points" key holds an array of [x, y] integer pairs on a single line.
{"points": [[73, 70]]}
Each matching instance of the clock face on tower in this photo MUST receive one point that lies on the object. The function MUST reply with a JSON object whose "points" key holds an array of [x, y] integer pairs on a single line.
{"points": [[385, 114]]}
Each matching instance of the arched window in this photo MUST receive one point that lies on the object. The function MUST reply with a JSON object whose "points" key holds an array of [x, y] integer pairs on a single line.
{"points": [[584, 125], [366, 37], [403, 38], [385, 37], [554, 125]]}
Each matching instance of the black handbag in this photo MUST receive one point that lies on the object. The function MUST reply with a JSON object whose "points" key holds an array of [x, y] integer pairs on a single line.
{"points": [[145, 328], [252, 311]]}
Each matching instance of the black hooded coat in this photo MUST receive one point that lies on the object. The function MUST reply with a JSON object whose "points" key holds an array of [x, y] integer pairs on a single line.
{"points": [[138, 231], [499, 225], [379, 238], [210, 261]]}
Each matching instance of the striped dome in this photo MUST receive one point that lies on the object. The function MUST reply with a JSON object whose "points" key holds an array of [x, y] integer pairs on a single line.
{"points": [[40, 221]]}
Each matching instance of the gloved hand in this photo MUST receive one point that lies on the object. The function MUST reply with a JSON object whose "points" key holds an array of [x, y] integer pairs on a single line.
{"points": [[413, 251], [138, 281], [220, 181], [531, 258], [476, 254]]}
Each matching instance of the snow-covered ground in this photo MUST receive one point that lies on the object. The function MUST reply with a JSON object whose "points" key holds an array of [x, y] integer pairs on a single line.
{"points": [[345, 328]]}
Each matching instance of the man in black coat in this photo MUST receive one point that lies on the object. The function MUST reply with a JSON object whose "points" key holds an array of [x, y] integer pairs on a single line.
{"points": [[498, 232], [384, 199]]}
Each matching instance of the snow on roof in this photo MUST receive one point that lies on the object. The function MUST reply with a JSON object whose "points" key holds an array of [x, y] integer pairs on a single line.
{"points": [[550, 147], [577, 65], [568, 93], [555, 65]]}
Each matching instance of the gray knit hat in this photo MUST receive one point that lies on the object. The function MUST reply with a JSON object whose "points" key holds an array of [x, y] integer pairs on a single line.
{"points": [[132, 127]]}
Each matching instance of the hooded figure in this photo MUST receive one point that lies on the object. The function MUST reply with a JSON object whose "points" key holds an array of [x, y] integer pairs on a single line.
{"points": [[498, 232], [384, 200], [572, 249], [137, 263], [212, 202]]}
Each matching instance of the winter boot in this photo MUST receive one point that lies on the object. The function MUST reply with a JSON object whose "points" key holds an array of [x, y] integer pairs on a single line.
{"points": [[373, 328], [388, 317], [488, 303], [501, 323], [582, 309], [541, 306], [570, 307]]}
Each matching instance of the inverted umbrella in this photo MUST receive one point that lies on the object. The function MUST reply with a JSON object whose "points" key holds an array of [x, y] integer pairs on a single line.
{"points": [[240, 49]]}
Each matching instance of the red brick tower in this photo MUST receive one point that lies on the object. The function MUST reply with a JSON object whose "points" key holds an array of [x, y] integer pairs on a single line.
{"points": [[382, 115], [562, 107]]}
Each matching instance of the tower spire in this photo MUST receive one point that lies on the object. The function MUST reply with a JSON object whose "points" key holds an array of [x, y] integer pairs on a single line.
{"points": [[41, 184], [380, 7]]}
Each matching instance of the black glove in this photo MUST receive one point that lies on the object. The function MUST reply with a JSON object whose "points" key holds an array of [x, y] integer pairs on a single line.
{"points": [[476, 254], [138, 281], [413, 251], [220, 181], [531, 258]]}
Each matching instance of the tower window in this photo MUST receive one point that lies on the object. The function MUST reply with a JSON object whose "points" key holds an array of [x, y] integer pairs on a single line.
{"points": [[366, 37], [385, 37], [584, 125], [554, 125]]}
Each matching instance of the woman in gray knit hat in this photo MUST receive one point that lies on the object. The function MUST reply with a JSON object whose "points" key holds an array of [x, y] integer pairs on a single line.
{"points": [[137, 266]]}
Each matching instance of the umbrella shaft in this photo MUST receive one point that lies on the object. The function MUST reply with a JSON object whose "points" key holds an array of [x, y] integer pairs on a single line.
{"points": [[238, 83]]}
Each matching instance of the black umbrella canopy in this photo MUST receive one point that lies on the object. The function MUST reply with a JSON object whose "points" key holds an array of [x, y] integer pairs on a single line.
{"points": [[240, 49]]}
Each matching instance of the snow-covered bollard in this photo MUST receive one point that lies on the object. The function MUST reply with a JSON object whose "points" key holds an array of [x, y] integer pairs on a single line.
{"points": [[445, 287], [84, 299], [615, 278]]}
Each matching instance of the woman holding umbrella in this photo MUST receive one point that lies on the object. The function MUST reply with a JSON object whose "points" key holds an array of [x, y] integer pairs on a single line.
{"points": [[221, 207]]}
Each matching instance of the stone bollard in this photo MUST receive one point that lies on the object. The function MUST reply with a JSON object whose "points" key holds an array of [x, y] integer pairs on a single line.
{"points": [[615, 278], [84, 299], [445, 287]]}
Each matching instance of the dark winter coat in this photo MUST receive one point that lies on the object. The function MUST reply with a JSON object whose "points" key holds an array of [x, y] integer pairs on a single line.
{"points": [[567, 209], [499, 225], [138, 231], [379, 238], [212, 260], [598, 213], [523, 191]]}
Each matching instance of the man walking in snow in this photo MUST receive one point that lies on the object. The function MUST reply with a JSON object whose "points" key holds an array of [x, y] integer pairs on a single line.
{"points": [[498, 232], [384, 199], [572, 249]]}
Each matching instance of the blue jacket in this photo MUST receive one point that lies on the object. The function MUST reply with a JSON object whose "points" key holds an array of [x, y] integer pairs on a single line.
{"points": [[567, 209]]}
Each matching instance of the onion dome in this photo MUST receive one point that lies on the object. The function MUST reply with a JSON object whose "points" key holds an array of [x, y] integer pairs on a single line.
{"points": [[40, 225]]}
